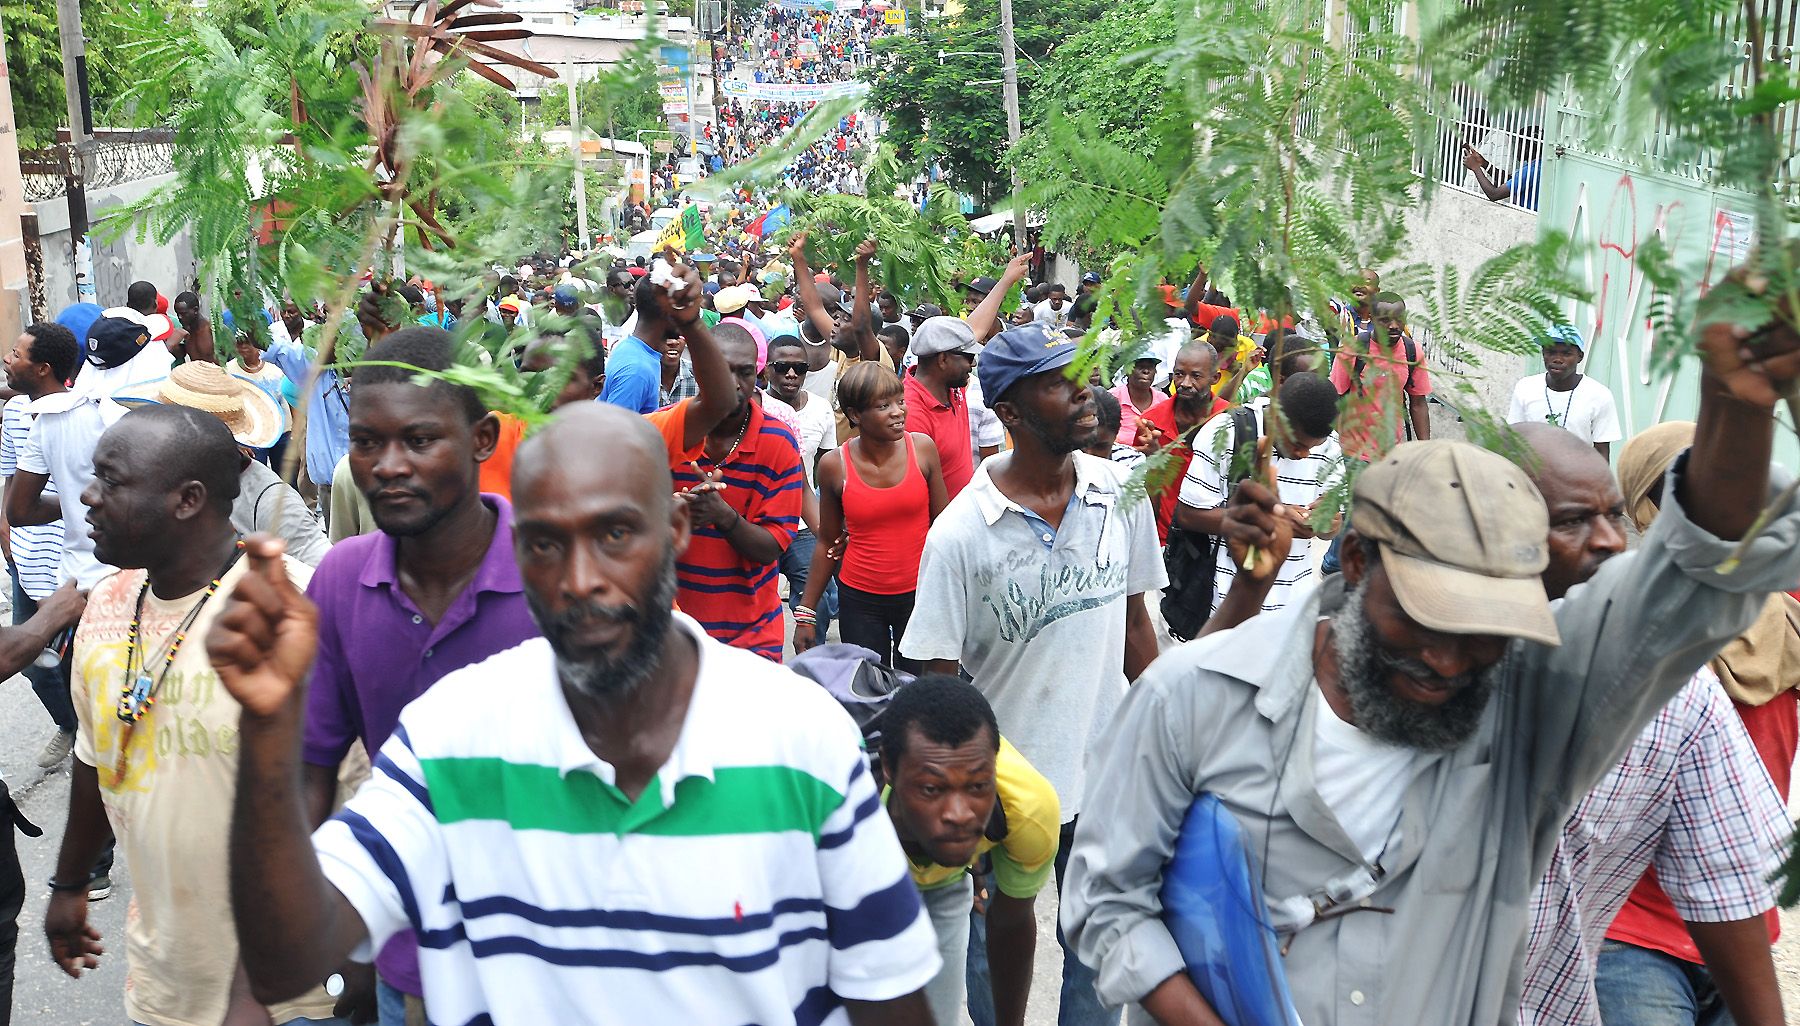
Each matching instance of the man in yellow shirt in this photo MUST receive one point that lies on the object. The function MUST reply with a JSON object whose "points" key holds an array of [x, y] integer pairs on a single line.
{"points": [[959, 792]]}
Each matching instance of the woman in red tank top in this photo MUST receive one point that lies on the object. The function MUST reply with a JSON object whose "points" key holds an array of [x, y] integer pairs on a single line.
{"points": [[879, 492]]}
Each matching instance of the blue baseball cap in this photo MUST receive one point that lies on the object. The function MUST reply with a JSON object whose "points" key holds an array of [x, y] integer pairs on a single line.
{"points": [[79, 318], [565, 295], [1565, 334], [1090, 278], [1019, 353]]}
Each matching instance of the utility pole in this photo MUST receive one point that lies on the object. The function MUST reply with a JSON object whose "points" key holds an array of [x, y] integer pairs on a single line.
{"points": [[1009, 84], [693, 112], [581, 229], [81, 135]]}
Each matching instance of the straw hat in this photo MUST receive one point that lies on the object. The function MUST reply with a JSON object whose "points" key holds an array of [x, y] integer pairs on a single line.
{"points": [[254, 419]]}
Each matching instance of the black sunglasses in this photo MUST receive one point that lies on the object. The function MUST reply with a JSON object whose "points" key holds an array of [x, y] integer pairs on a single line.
{"points": [[787, 368]]}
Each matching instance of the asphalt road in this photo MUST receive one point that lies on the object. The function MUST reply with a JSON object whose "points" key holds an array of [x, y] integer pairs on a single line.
{"points": [[41, 993]]}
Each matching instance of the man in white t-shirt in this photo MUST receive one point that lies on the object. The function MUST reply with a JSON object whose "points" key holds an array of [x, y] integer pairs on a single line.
{"points": [[59, 455], [1048, 616], [816, 431], [42, 359], [1053, 312], [1564, 397]]}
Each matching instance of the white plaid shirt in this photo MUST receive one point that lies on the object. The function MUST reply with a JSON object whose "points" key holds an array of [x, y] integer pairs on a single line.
{"points": [[1691, 798]]}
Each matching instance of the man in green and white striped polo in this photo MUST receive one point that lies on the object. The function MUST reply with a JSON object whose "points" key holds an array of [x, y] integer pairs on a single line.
{"points": [[622, 822]]}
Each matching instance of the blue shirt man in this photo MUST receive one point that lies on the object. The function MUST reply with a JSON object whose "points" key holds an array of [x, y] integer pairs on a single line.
{"points": [[327, 409], [633, 376]]}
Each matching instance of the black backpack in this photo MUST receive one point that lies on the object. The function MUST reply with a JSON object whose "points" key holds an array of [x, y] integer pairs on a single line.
{"points": [[1192, 558]]}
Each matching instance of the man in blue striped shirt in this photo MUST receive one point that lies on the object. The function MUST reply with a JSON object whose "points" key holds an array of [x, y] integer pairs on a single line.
{"points": [[650, 826], [39, 364]]}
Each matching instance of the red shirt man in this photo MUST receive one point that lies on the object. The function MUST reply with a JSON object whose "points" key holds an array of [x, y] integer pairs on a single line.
{"points": [[945, 348], [1162, 416], [1391, 382]]}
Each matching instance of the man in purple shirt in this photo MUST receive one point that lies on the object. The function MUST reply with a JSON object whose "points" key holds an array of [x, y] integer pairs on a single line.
{"points": [[435, 590]]}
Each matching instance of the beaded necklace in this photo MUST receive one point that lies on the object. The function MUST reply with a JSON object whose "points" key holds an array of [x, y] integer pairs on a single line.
{"points": [[139, 692], [1563, 421]]}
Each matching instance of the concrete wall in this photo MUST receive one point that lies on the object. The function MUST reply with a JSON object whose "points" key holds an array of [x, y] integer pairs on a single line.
{"points": [[117, 263], [1463, 230]]}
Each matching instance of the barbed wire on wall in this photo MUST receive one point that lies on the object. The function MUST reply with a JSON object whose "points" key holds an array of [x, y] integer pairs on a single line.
{"points": [[117, 158]]}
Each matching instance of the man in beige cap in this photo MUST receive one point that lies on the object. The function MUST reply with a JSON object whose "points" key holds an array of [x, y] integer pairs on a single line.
{"points": [[264, 501], [1402, 746], [730, 300]]}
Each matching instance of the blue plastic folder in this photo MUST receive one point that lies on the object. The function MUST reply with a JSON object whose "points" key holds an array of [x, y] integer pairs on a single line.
{"points": [[1213, 906]]}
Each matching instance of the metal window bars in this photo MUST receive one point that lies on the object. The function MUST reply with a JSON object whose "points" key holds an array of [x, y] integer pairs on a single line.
{"points": [[1581, 130]]}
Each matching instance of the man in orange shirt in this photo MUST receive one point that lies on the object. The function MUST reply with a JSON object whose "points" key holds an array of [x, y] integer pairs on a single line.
{"points": [[683, 425]]}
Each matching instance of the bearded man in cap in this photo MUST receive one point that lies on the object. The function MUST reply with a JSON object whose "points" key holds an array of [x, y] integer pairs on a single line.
{"points": [[1402, 746]]}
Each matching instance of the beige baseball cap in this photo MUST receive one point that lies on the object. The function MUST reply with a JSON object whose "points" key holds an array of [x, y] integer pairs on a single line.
{"points": [[1463, 536]]}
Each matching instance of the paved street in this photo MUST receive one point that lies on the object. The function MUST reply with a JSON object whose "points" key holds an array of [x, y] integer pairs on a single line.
{"points": [[41, 993]]}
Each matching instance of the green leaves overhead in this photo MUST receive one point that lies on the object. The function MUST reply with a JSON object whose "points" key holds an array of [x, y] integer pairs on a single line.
{"points": [[1502, 307], [948, 108], [1280, 162], [918, 254]]}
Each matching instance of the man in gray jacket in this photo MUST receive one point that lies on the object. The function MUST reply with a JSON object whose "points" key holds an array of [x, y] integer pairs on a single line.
{"points": [[1403, 745]]}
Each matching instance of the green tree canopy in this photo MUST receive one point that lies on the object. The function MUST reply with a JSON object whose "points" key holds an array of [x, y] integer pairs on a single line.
{"points": [[112, 29], [950, 110], [622, 100]]}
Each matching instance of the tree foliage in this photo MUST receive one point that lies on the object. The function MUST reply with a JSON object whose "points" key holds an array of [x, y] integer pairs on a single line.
{"points": [[619, 102], [949, 109], [1101, 74], [1299, 171], [919, 251], [111, 28]]}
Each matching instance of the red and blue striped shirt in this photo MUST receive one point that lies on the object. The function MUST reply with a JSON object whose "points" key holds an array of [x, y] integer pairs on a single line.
{"points": [[735, 600]]}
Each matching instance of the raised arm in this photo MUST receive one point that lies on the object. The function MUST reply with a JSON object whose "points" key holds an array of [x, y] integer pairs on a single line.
{"points": [[293, 927], [1190, 307], [805, 293], [986, 316], [1492, 187], [717, 392], [868, 344], [1727, 479], [1252, 519], [1635, 633]]}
